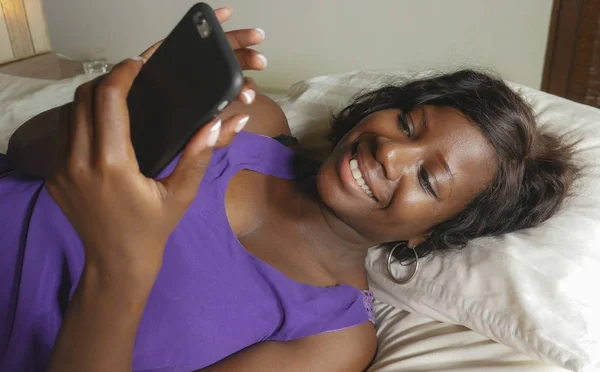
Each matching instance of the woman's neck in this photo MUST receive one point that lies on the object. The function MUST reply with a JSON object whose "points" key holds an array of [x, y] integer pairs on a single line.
{"points": [[332, 244]]}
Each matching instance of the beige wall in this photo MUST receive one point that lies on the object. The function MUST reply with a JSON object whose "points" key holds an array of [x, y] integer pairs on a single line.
{"points": [[307, 38]]}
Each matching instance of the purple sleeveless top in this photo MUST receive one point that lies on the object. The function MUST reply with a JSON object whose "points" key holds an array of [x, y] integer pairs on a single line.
{"points": [[211, 299]]}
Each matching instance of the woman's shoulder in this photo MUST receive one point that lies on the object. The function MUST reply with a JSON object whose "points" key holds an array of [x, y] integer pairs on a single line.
{"points": [[266, 117]]}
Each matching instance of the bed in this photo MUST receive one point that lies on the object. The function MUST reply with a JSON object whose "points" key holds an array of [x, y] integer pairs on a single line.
{"points": [[411, 336]]}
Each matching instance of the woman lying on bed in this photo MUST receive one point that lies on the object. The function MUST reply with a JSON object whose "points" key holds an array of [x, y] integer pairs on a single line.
{"points": [[231, 261]]}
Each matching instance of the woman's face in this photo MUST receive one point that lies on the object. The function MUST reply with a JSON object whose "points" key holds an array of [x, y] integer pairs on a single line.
{"points": [[394, 177]]}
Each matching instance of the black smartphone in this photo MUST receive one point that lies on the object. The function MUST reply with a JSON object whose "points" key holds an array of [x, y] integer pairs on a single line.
{"points": [[192, 76]]}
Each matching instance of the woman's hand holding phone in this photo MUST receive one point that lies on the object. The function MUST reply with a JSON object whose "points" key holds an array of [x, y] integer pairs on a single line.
{"points": [[124, 218]]}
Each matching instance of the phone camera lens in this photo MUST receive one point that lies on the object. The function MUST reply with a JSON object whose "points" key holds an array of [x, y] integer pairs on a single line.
{"points": [[203, 27], [199, 18]]}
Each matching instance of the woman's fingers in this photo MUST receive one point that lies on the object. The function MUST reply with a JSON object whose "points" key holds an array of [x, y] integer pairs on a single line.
{"points": [[112, 137], [250, 59], [250, 83], [150, 51], [223, 14], [238, 39], [230, 127], [182, 185], [248, 92], [244, 38], [81, 119], [63, 140]]}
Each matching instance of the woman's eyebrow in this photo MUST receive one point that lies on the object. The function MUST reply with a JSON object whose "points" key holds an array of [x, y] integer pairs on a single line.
{"points": [[447, 169]]}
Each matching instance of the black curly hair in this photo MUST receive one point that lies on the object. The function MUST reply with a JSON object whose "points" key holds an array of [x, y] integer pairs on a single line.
{"points": [[535, 169]]}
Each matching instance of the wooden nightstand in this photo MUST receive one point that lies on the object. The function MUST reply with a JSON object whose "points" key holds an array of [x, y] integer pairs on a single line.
{"points": [[47, 66]]}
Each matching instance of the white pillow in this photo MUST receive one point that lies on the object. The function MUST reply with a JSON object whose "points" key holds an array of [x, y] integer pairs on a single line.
{"points": [[412, 342], [534, 290]]}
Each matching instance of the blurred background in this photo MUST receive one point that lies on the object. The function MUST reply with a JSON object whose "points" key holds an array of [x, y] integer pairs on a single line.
{"points": [[552, 45], [316, 37]]}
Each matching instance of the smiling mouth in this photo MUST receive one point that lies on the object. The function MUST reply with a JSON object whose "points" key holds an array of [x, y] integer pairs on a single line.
{"points": [[358, 177]]}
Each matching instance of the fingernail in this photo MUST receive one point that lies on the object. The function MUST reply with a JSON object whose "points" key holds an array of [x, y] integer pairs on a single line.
{"points": [[139, 58], [263, 59], [261, 32], [242, 123], [249, 96], [213, 136]]}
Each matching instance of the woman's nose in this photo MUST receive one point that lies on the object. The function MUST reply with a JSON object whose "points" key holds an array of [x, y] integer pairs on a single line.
{"points": [[397, 156]]}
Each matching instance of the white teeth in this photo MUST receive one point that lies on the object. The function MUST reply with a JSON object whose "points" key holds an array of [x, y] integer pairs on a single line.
{"points": [[357, 175]]}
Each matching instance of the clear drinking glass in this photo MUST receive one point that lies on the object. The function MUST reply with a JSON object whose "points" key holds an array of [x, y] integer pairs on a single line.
{"points": [[95, 63], [95, 66]]}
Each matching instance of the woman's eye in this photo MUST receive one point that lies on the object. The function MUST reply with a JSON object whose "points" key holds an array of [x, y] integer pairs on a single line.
{"points": [[425, 183], [406, 128]]}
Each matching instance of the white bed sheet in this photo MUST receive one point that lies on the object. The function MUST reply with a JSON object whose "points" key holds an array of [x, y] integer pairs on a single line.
{"points": [[410, 342]]}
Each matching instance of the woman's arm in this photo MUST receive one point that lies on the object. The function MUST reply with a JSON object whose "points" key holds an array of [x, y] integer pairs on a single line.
{"points": [[32, 146], [348, 350], [100, 325]]}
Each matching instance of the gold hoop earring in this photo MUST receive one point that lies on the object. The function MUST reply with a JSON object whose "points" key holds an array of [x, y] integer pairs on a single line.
{"points": [[389, 265]]}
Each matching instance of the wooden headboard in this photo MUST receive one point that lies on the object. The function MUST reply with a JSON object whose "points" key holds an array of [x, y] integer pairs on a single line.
{"points": [[23, 30], [572, 67]]}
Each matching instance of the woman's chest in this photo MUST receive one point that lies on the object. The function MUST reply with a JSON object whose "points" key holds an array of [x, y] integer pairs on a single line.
{"points": [[248, 199], [253, 205]]}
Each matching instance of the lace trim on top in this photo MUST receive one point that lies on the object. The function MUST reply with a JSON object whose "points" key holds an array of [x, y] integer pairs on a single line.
{"points": [[368, 303]]}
